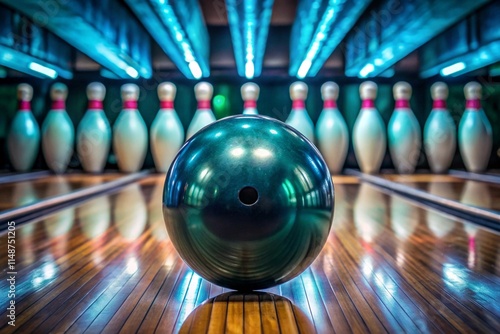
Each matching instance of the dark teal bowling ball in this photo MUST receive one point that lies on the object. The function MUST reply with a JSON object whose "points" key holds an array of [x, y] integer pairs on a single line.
{"points": [[248, 202]]}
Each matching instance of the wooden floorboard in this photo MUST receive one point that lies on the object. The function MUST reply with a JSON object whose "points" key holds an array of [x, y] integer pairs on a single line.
{"points": [[107, 265]]}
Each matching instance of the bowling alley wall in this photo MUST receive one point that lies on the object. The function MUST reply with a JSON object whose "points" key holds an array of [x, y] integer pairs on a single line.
{"points": [[274, 101]]}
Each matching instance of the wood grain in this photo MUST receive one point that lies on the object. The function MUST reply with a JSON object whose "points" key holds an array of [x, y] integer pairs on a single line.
{"points": [[388, 266]]}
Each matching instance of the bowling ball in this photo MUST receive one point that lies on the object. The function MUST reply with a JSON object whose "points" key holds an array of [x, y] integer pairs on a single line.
{"points": [[248, 202]]}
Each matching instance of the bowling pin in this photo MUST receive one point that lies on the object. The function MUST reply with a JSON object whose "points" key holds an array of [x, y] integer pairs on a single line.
{"points": [[203, 116], [23, 141], [167, 133], [440, 139], [369, 136], [58, 133], [474, 131], [93, 136], [130, 134], [331, 130], [403, 130], [299, 118], [250, 94]]}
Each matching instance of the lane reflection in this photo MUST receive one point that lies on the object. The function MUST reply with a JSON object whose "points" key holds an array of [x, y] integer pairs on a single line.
{"points": [[236, 312], [369, 212], [155, 213], [437, 223], [130, 212], [59, 224]]}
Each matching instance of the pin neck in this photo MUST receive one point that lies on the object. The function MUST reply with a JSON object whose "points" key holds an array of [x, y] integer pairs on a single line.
{"points": [[58, 105], [329, 104], [204, 104], [167, 104], [298, 104], [473, 104], [24, 105], [439, 104], [130, 104], [402, 104], [250, 104], [95, 105], [368, 103]]}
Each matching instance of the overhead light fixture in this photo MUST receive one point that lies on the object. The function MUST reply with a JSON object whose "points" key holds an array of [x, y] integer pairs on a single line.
{"points": [[318, 29], [30, 65], [476, 44], [179, 29], [366, 70], [249, 22], [391, 31], [51, 73], [120, 45], [49, 57], [457, 67]]}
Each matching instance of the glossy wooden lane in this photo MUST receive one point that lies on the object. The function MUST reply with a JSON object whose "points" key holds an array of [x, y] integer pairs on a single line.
{"points": [[389, 266], [481, 194], [16, 194]]}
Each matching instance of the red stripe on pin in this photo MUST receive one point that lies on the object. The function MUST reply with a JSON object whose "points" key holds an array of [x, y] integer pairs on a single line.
{"points": [[298, 104], [95, 105], [473, 104], [166, 104], [24, 106], [204, 104], [329, 104], [130, 104], [250, 104], [368, 104], [439, 104], [402, 104], [58, 105]]}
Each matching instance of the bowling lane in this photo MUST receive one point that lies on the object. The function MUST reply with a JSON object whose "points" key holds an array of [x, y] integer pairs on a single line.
{"points": [[388, 266], [16, 194], [481, 194]]}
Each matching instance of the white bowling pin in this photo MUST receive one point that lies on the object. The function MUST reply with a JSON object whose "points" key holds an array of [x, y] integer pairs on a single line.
{"points": [[93, 135], [331, 130], [299, 118], [58, 133], [369, 136], [130, 134], [403, 131], [167, 133], [23, 141], [203, 116], [474, 131], [440, 139], [250, 94]]}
